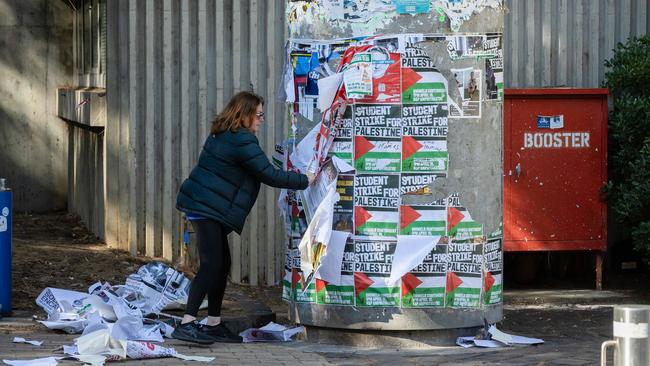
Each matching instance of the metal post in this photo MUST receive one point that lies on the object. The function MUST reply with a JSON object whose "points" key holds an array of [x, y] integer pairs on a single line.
{"points": [[5, 247], [631, 336]]}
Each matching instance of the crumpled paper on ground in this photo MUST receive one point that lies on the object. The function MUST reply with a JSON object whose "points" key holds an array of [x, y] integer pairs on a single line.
{"points": [[272, 332]]}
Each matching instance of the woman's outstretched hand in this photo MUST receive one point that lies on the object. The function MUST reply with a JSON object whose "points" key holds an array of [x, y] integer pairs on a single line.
{"points": [[311, 177]]}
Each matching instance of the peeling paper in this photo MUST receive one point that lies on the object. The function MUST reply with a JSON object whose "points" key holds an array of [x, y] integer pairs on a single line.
{"points": [[409, 253], [327, 88], [329, 269]]}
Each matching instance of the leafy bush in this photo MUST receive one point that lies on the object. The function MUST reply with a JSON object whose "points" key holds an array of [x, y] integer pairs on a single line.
{"points": [[628, 78]]}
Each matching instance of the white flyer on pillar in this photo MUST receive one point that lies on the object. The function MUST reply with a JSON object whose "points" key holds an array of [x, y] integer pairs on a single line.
{"points": [[327, 88], [410, 251]]}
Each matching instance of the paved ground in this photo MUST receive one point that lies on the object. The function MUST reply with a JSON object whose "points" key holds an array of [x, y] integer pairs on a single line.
{"points": [[572, 322]]}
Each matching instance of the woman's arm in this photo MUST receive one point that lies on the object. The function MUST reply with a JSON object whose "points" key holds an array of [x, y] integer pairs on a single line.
{"points": [[251, 156]]}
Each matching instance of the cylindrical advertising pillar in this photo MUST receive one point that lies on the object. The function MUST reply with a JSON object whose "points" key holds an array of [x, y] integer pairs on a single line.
{"points": [[5, 248]]}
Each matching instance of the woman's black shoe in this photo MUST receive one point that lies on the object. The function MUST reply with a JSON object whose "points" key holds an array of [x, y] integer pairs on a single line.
{"points": [[219, 333], [192, 332]]}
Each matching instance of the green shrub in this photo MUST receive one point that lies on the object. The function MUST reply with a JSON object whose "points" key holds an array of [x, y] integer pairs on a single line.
{"points": [[628, 78]]}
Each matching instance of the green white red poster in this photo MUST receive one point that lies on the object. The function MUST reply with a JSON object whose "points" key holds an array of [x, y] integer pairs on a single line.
{"points": [[342, 143], [460, 224], [376, 205], [424, 286], [493, 275], [372, 265], [377, 138], [343, 293], [423, 220], [424, 138], [417, 183], [421, 81], [464, 274]]}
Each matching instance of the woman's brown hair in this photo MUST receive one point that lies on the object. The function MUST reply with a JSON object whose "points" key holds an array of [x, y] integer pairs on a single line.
{"points": [[237, 113]]}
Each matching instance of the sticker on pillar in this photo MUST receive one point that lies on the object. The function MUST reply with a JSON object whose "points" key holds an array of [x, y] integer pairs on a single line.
{"points": [[342, 143], [423, 220], [493, 275], [343, 293], [376, 205], [421, 80], [344, 208], [459, 221], [468, 102], [494, 67], [386, 76], [412, 6], [373, 260], [377, 138], [418, 183], [424, 286], [464, 274], [357, 76]]}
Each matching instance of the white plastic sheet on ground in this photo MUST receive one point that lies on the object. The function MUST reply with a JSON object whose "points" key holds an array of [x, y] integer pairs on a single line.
{"points": [[23, 340], [497, 339], [45, 361], [272, 332]]}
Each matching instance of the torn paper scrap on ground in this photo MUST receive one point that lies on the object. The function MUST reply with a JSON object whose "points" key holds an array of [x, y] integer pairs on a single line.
{"points": [[46, 361], [509, 339], [313, 243], [157, 286], [271, 332], [470, 341], [410, 251], [54, 300], [23, 340]]}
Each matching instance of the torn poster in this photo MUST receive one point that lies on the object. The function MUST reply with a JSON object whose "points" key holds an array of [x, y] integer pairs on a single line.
{"points": [[385, 77], [425, 285], [342, 143], [343, 219], [417, 183], [312, 197], [376, 205], [342, 293], [327, 89], [357, 77], [372, 267], [421, 80], [423, 219], [493, 275], [377, 144], [329, 268], [410, 251], [460, 224], [424, 138], [464, 273]]}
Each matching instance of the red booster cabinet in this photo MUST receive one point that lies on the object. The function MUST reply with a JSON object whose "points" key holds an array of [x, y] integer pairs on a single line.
{"points": [[555, 165]]}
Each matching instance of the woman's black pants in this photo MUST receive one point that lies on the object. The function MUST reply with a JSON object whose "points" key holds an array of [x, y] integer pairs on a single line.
{"points": [[214, 266]]}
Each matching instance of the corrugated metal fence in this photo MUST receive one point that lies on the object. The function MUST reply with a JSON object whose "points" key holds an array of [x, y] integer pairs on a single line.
{"points": [[172, 65], [565, 42]]}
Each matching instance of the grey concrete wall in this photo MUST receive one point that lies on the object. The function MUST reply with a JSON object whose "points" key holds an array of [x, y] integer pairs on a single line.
{"points": [[35, 58]]}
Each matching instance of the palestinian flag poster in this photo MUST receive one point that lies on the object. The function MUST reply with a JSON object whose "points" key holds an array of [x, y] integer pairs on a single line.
{"points": [[459, 222], [421, 82], [493, 276], [423, 220], [342, 294], [377, 138], [464, 274], [344, 207], [307, 296], [342, 144], [376, 205], [372, 265], [292, 272], [424, 286], [386, 77], [424, 138], [418, 183]]}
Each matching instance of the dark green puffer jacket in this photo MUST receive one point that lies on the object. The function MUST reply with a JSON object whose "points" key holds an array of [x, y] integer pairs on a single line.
{"points": [[225, 182]]}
